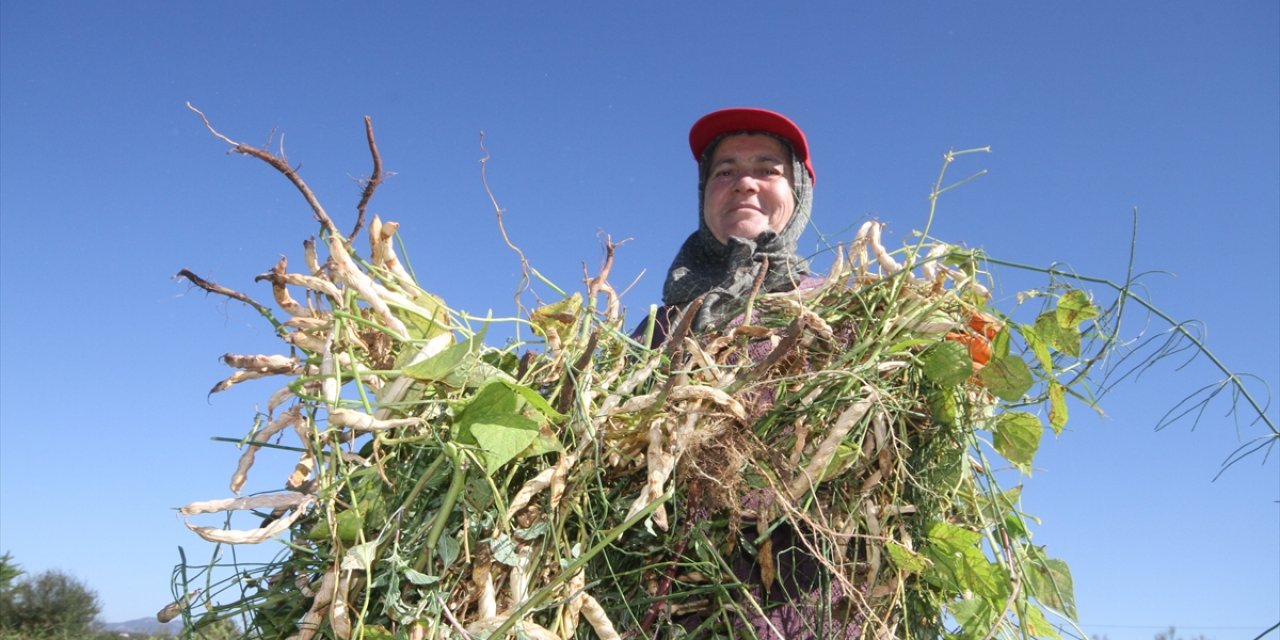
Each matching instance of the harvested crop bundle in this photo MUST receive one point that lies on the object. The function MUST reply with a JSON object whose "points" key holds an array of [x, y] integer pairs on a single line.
{"points": [[827, 464]]}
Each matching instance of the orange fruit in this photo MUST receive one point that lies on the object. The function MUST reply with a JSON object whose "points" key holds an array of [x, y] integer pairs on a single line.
{"points": [[986, 325], [979, 347]]}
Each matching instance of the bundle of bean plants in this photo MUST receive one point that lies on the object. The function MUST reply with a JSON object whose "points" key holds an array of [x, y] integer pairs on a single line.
{"points": [[834, 457]]}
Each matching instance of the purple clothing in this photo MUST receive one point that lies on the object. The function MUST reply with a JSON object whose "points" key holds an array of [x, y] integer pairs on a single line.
{"points": [[802, 603]]}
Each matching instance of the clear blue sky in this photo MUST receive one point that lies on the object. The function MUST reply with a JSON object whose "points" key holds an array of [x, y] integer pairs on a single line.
{"points": [[108, 186]]}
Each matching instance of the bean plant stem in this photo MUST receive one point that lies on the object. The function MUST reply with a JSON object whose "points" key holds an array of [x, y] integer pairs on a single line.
{"points": [[446, 507], [1176, 326]]}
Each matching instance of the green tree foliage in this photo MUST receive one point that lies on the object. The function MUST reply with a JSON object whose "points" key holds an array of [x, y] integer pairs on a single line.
{"points": [[1172, 634], [51, 604], [9, 570], [55, 606]]}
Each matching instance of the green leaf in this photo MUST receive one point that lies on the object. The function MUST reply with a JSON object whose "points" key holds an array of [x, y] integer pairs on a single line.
{"points": [[360, 557], [906, 559], [964, 259], [503, 437], [419, 578], [1039, 342], [949, 467], [504, 550], [755, 480], [844, 457], [477, 373], [535, 400], [534, 530], [1075, 307], [947, 364], [494, 420], [1008, 378], [1016, 527], [439, 367], [984, 577], [377, 632], [957, 563], [975, 617], [951, 537], [505, 361], [1068, 341], [1033, 619], [943, 406], [350, 523], [425, 328], [1000, 345], [1063, 339], [545, 443], [1046, 326], [1017, 438], [1050, 583], [1057, 406], [998, 507], [478, 492], [448, 547], [899, 347], [490, 400]]}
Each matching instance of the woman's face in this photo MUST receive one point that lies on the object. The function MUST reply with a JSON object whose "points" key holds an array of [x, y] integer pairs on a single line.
{"points": [[748, 188]]}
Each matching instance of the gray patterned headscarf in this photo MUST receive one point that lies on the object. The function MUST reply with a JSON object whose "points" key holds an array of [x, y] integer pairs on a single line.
{"points": [[725, 273]]}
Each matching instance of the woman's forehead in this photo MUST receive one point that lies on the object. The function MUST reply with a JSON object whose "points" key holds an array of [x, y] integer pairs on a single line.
{"points": [[750, 147]]}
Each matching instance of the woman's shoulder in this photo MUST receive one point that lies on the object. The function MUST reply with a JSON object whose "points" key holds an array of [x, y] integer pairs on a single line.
{"points": [[663, 317]]}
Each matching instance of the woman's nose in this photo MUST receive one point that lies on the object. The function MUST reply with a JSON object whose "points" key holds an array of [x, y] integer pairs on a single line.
{"points": [[746, 183]]}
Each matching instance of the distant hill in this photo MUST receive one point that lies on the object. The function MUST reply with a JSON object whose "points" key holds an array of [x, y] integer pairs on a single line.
{"points": [[143, 627]]}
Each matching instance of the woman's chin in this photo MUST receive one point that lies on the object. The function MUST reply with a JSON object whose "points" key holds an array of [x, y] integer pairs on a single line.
{"points": [[748, 232]]}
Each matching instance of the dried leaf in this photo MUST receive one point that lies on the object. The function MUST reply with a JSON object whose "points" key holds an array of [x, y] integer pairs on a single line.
{"points": [[1057, 407]]}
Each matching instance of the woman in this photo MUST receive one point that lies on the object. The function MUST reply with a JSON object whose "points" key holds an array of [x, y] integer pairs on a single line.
{"points": [[755, 195]]}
